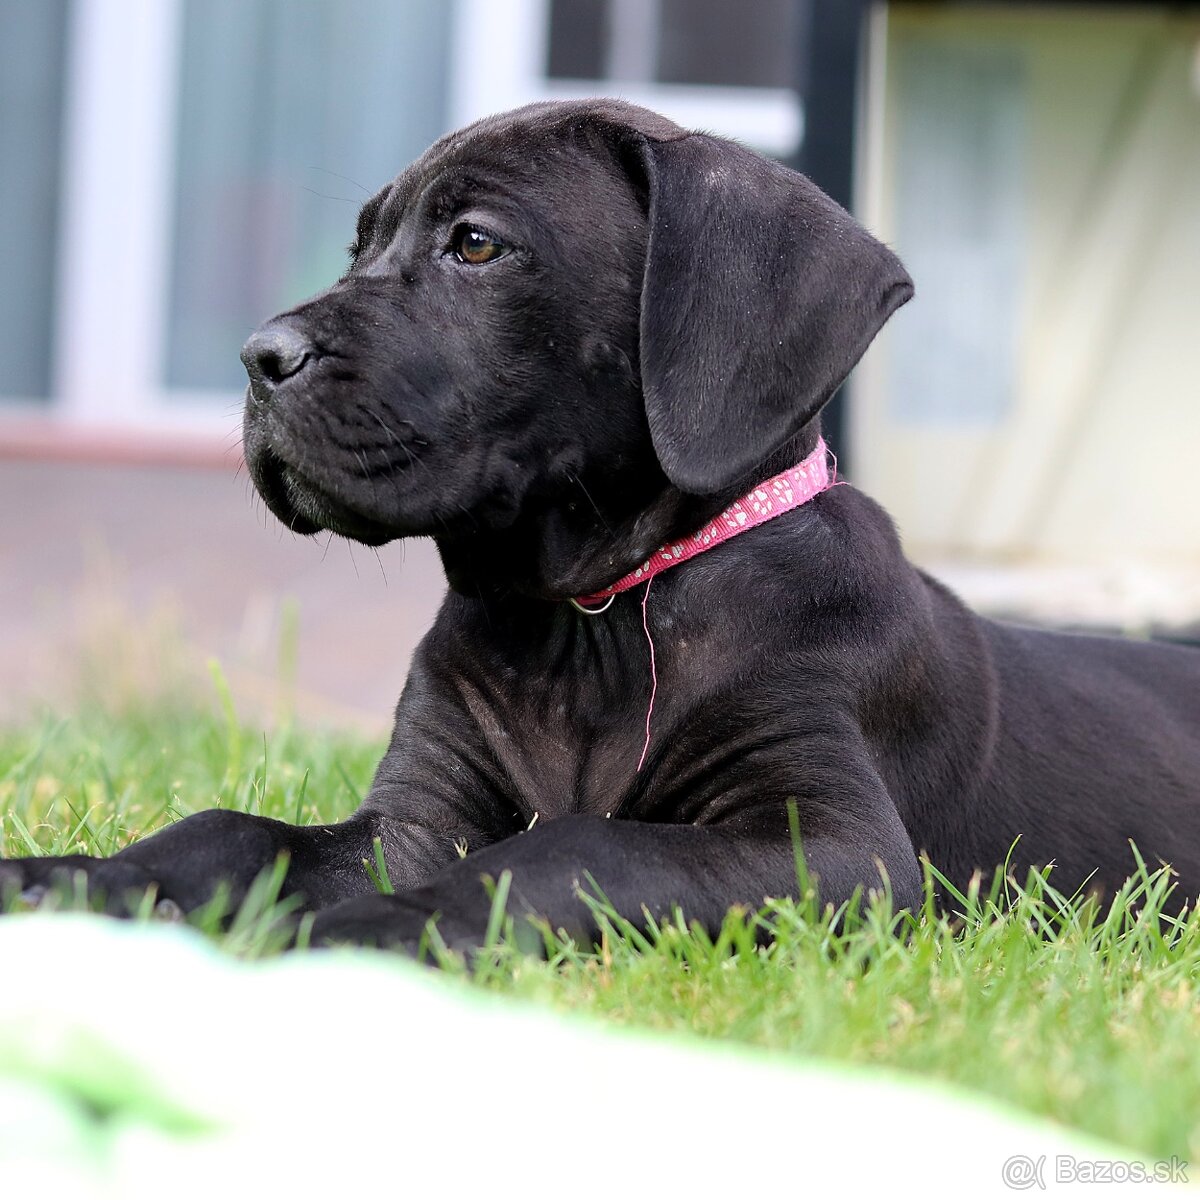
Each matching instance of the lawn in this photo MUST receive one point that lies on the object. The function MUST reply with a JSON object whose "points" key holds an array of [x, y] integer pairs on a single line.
{"points": [[1085, 1016]]}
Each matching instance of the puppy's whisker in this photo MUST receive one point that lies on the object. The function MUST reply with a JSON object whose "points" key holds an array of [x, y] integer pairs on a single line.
{"points": [[413, 459], [386, 428], [335, 175], [326, 195], [595, 507]]}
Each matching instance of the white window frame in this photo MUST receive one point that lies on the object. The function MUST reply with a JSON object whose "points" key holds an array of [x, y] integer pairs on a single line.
{"points": [[115, 229], [512, 72]]}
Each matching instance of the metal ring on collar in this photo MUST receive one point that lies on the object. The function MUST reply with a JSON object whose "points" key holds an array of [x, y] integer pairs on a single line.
{"points": [[592, 612]]}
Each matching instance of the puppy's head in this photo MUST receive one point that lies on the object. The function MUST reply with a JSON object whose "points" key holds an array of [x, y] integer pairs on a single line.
{"points": [[568, 317]]}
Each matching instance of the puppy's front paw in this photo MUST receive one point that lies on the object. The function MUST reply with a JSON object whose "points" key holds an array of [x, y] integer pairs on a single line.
{"points": [[12, 881], [71, 881], [16, 893], [27, 883], [388, 922]]}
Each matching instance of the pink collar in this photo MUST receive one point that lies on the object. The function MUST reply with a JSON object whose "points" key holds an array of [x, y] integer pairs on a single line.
{"points": [[772, 498]]}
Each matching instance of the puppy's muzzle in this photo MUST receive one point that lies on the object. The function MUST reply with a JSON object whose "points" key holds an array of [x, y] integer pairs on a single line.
{"points": [[275, 353]]}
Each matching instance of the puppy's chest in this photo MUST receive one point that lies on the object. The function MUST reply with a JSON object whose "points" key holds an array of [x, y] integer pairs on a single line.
{"points": [[595, 733]]}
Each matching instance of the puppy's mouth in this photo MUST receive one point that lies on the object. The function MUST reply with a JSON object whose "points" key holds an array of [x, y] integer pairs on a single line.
{"points": [[304, 506]]}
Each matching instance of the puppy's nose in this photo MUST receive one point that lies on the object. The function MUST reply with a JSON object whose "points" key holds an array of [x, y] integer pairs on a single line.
{"points": [[274, 353]]}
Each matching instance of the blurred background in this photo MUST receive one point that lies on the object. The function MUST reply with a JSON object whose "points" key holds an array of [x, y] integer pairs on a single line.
{"points": [[174, 171]]}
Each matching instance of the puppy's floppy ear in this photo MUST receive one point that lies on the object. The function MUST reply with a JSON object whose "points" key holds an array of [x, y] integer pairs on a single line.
{"points": [[760, 294]]}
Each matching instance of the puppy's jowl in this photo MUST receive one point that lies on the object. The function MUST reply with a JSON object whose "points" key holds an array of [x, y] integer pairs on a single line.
{"points": [[573, 335]]}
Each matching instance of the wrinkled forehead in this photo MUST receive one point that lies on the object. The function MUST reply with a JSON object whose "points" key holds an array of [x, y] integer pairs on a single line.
{"points": [[519, 159], [528, 165]]}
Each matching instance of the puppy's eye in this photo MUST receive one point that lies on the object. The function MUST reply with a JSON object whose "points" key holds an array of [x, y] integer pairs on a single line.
{"points": [[476, 246]]}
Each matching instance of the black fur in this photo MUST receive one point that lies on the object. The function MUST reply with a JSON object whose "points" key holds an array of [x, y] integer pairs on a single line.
{"points": [[671, 315]]}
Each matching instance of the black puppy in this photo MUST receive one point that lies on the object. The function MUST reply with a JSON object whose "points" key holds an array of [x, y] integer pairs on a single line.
{"points": [[569, 335]]}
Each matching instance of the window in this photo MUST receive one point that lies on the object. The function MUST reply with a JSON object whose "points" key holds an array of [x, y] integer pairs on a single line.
{"points": [[961, 147], [710, 42], [291, 112], [32, 45], [707, 64]]}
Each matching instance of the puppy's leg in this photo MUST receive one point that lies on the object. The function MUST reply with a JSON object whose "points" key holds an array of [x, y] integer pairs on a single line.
{"points": [[641, 868], [187, 862]]}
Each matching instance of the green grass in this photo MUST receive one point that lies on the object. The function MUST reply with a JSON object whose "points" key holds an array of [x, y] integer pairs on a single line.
{"points": [[1084, 1015]]}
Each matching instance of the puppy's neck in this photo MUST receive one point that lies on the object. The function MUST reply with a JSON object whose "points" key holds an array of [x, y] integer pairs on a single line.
{"points": [[580, 543]]}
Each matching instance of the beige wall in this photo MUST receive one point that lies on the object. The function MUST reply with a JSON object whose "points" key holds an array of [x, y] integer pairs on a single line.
{"points": [[1097, 448]]}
